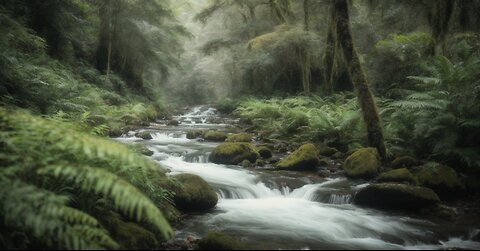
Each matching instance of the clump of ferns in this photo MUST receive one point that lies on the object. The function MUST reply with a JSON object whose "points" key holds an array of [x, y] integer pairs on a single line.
{"points": [[50, 170]]}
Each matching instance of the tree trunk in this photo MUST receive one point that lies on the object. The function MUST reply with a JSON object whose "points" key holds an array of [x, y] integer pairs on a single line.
{"points": [[110, 24], [357, 75], [304, 55]]}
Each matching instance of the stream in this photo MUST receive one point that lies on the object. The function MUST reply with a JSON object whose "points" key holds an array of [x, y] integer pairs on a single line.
{"points": [[287, 210]]}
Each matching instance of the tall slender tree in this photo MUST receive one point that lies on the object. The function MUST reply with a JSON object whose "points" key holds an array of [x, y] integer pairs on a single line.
{"points": [[367, 102]]}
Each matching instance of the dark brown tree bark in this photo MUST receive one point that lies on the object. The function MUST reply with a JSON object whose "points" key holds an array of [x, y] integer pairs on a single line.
{"points": [[357, 75]]}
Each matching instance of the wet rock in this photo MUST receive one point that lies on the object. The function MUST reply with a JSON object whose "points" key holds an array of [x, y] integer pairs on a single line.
{"points": [[363, 163], [194, 194], [265, 152], [396, 196], [326, 151], [442, 179], [273, 160], [128, 234], [397, 175], [115, 132], [304, 158], [144, 135], [173, 122], [194, 134], [215, 136], [219, 241], [260, 163], [404, 162], [246, 163], [240, 137], [234, 153], [143, 150]]}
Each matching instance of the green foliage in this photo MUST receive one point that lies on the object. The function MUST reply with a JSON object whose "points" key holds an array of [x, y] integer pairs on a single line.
{"points": [[327, 119], [51, 172], [438, 116]]}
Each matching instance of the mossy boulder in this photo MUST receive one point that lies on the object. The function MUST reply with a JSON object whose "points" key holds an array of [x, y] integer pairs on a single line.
{"points": [[144, 135], [115, 132], [129, 235], [246, 163], [219, 241], [215, 136], [397, 175], [194, 134], [396, 196], [326, 151], [304, 158], [404, 161], [173, 122], [194, 194], [234, 153], [260, 163], [363, 163], [143, 150], [265, 152], [441, 178], [239, 137]]}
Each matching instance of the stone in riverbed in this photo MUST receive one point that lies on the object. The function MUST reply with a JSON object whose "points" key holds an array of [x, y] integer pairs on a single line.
{"points": [[363, 163], [239, 137], [194, 194], [194, 134], [219, 241], [304, 158], [234, 153], [396, 196], [215, 136], [442, 179], [173, 122], [404, 161], [326, 151], [144, 135], [265, 152], [397, 175]]}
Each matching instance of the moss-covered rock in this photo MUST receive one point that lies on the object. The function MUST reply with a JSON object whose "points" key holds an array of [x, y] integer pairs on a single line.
{"points": [[363, 163], [143, 150], [246, 163], [194, 134], [234, 153], [397, 175], [239, 137], [144, 135], [265, 152], [404, 162], [326, 151], [396, 196], [215, 136], [219, 241], [194, 194], [173, 122], [304, 158], [260, 163], [129, 235], [442, 179], [115, 132]]}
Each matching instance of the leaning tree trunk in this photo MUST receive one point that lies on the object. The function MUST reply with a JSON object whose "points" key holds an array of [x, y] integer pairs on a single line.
{"points": [[357, 75]]}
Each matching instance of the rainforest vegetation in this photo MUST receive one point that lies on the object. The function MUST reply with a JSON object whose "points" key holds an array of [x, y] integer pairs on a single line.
{"points": [[100, 133]]}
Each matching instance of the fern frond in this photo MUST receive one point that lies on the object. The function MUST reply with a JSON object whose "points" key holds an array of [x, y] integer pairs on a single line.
{"points": [[46, 217], [125, 197]]}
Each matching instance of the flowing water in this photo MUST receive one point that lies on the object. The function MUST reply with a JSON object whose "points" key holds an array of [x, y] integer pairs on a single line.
{"points": [[286, 210]]}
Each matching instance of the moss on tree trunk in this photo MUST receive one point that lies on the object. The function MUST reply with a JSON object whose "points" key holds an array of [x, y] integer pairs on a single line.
{"points": [[357, 75]]}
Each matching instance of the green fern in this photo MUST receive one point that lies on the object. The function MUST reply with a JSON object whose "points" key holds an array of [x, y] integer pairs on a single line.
{"points": [[41, 155]]}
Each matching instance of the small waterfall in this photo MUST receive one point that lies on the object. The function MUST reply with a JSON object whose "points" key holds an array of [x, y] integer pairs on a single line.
{"points": [[340, 199]]}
